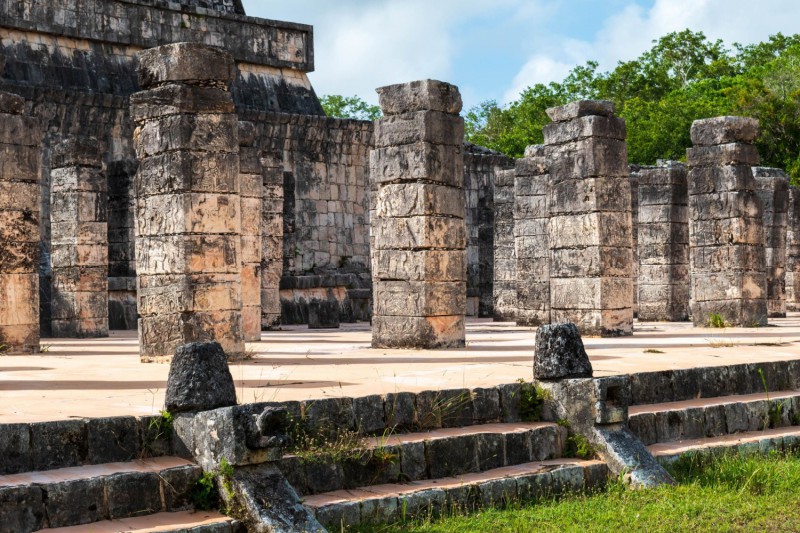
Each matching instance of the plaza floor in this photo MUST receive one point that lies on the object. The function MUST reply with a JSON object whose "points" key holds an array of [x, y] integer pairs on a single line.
{"points": [[103, 377]]}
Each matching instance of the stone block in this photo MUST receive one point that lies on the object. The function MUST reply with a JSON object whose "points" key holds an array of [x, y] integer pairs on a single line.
{"points": [[422, 95], [189, 254], [176, 98], [415, 233], [560, 353], [584, 127], [11, 104], [486, 405], [718, 206], [591, 261], [179, 63], [212, 133], [133, 494], [399, 410], [421, 265], [418, 161], [452, 457], [22, 508], [15, 448], [728, 231], [59, 444], [581, 108], [112, 440], [588, 158], [188, 293], [422, 126], [420, 298], [199, 379], [591, 229], [420, 199], [418, 332], [75, 502], [177, 485], [594, 322], [722, 155], [187, 171], [587, 195], [323, 314], [723, 130]]}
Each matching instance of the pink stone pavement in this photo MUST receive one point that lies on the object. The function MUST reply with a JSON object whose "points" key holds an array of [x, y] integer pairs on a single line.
{"points": [[103, 377]]}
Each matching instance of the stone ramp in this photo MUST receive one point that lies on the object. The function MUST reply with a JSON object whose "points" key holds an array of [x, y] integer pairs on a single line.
{"points": [[418, 499]]}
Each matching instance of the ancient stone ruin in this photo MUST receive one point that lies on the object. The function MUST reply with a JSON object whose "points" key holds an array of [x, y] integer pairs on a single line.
{"points": [[420, 233], [772, 185], [591, 273], [726, 232], [187, 201]]}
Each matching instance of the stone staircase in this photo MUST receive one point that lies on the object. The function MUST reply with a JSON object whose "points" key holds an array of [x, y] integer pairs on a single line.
{"points": [[98, 475], [419, 473], [705, 411]]}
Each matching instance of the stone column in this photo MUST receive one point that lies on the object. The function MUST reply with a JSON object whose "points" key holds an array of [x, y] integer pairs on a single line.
{"points": [[772, 186], [505, 257], [531, 223], [188, 242], [122, 313], [726, 234], [420, 234], [20, 156], [591, 272], [272, 240], [635, 235], [793, 251], [79, 239], [663, 243], [251, 192]]}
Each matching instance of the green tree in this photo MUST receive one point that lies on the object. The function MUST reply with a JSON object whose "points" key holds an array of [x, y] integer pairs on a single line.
{"points": [[338, 106]]}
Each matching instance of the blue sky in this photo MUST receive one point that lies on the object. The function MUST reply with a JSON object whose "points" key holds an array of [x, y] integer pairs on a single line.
{"points": [[494, 49]]}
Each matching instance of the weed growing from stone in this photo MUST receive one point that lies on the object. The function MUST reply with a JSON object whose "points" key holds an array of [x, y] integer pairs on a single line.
{"points": [[323, 445], [653, 351], [716, 320], [159, 428], [775, 412], [531, 401], [579, 447]]}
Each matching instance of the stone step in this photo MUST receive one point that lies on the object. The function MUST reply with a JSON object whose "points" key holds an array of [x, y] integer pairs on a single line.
{"points": [[67, 443], [714, 417], [429, 455], [391, 503], [81, 495], [178, 522], [708, 382], [778, 439]]}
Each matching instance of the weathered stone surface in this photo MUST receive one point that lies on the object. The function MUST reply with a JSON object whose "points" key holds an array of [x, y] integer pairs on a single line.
{"points": [[22, 508], [505, 257], [727, 252], [723, 130], [583, 128], [422, 126], [11, 104], [58, 444], [560, 353], [199, 379], [76, 502], [420, 199], [772, 187], [179, 63], [581, 108], [415, 332], [132, 494], [323, 314], [793, 251], [422, 95]]}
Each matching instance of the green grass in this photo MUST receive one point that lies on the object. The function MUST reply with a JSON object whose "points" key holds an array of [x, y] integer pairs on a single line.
{"points": [[727, 493]]}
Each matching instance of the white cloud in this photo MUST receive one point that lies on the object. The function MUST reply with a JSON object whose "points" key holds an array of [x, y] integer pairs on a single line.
{"points": [[539, 69]]}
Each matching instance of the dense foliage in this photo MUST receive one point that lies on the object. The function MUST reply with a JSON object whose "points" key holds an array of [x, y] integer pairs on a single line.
{"points": [[338, 106], [683, 77]]}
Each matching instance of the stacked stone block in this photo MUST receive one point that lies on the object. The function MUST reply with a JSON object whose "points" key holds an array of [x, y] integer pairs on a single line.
{"points": [[726, 235], [188, 242], [79, 233], [122, 313], [531, 238], [505, 257], [591, 273], [420, 233], [251, 195], [20, 154], [635, 235], [793, 251], [272, 240], [663, 243], [772, 185]]}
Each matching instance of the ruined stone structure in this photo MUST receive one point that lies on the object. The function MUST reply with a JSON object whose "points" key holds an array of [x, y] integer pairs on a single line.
{"points": [[420, 233], [251, 199], [188, 239], [505, 257], [635, 235], [772, 185], [531, 238], [121, 245], [591, 269], [20, 137], [663, 243], [79, 239], [726, 234], [271, 240], [793, 250]]}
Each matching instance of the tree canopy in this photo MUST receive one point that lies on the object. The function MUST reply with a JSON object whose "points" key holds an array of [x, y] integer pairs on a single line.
{"points": [[682, 78], [349, 107]]}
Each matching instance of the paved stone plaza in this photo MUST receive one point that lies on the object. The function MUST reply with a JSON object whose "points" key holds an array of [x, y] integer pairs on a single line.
{"points": [[103, 377]]}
